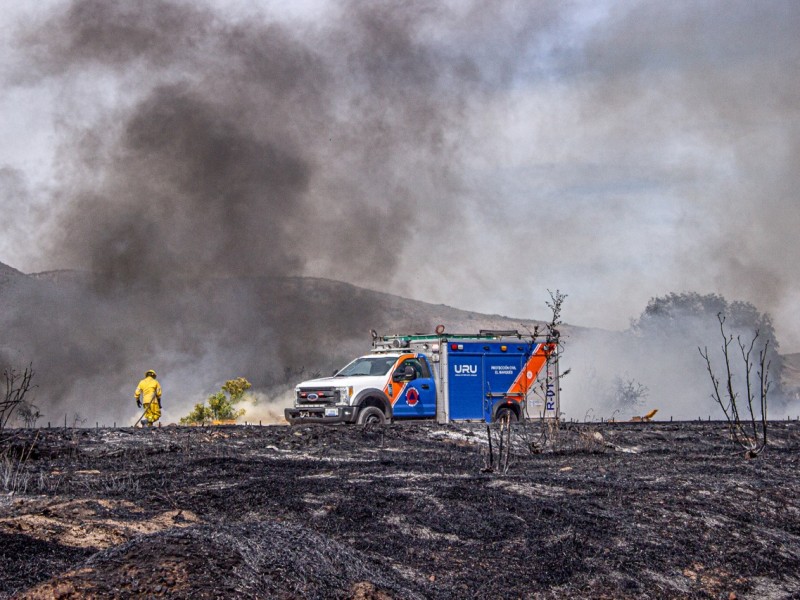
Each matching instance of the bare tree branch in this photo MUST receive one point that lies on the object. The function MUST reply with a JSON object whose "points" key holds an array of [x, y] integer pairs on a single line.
{"points": [[17, 385], [752, 435]]}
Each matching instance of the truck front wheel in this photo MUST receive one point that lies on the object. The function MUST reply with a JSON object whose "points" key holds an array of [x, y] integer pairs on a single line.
{"points": [[371, 415]]}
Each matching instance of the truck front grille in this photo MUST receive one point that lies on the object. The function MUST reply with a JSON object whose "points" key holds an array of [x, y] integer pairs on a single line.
{"points": [[318, 396]]}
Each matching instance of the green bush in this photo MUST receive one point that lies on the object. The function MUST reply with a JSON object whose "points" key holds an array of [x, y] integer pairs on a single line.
{"points": [[220, 406], [200, 415]]}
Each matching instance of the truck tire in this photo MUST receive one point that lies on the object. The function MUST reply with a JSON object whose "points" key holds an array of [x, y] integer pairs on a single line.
{"points": [[371, 415], [505, 413]]}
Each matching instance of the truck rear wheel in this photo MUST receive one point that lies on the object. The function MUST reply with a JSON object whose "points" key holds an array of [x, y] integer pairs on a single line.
{"points": [[371, 415], [505, 414]]}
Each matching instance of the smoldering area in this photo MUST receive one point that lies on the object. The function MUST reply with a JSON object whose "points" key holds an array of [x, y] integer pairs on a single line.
{"points": [[404, 511]]}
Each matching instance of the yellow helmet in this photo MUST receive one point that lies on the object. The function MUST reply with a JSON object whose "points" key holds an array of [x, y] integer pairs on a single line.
{"points": [[150, 372]]}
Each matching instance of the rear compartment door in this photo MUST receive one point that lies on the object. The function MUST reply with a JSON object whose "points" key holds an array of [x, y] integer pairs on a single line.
{"points": [[501, 371], [481, 374]]}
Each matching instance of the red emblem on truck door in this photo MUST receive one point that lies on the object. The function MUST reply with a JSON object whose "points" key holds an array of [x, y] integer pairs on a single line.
{"points": [[412, 396]]}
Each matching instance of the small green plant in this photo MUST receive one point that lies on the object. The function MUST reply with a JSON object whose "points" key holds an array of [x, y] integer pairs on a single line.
{"points": [[200, 415], [220, 406], [236, 388]]}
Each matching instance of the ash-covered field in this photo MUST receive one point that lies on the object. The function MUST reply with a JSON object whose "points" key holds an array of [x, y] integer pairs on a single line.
{"points": [[653, 510]]}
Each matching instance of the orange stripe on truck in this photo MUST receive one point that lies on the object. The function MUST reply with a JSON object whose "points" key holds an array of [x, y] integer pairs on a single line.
{"points": [[527, 376]]}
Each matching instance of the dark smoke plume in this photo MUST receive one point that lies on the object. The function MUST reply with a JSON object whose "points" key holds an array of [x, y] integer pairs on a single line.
{"points": [[249, 148], [468, 153], [236, 154]]}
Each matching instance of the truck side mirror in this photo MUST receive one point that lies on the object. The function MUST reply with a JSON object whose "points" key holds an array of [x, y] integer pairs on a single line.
{"points": [[405, 373]]}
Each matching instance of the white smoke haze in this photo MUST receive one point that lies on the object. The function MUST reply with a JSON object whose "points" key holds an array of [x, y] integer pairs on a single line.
{"points": [[468, 153], [674, 375], [267, 408], [261, 407], [660, 356]]}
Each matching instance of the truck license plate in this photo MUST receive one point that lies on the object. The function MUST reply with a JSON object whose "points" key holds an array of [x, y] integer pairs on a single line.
{"points": [[331, 412]]}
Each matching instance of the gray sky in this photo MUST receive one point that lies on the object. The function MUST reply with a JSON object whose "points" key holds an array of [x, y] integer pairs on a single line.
{"points": [[451, 153]]}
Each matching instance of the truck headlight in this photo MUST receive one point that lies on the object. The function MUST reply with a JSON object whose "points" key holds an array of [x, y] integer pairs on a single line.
{"points": [[344, 394]]}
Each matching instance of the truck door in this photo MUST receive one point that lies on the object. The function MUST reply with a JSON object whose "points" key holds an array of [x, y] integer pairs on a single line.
{"points": [[417, 393], [481, 375], [501, 369]]}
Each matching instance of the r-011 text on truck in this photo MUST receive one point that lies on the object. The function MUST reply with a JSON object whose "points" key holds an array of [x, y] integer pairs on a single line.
{"points": [[486, 376]]}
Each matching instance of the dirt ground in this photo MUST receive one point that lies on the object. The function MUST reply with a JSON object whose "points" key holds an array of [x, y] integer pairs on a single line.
{"points": [[654, 510]]}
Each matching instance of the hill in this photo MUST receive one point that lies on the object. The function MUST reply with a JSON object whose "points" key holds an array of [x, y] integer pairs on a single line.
{"points": [[9, 274], [398, 313], [90, 339]]}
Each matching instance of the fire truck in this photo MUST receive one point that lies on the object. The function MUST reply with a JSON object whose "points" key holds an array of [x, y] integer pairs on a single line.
{"points": [[488, 376]]}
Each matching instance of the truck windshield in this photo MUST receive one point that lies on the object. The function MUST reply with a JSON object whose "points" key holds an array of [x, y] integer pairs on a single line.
{"points": [[368, 365]]}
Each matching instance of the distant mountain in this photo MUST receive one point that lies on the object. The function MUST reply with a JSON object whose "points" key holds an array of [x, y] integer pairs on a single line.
{"points": [[90, 339], [63, 276], [399, 315], [9, 274]]}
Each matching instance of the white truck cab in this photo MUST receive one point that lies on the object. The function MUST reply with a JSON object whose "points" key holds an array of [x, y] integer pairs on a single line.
{"points": [[366, 391]]}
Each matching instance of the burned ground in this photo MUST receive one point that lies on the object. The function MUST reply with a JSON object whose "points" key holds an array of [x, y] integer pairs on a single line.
{"points": [[407, 511]]}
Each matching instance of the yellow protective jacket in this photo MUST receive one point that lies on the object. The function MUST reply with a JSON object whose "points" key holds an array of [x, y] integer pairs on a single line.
{"points": [[148, 390]]}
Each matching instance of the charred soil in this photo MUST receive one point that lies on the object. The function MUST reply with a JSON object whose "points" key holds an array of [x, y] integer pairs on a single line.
{"points": [[649, 510]]}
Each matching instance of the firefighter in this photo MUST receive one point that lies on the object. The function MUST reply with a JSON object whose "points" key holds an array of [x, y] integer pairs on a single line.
{"points": [[148, 395]]}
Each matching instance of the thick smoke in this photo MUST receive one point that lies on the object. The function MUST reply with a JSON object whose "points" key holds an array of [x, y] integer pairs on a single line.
{"points": [[220, 158], [657, 363], [208, 171], [468, 153], [648, 147]]}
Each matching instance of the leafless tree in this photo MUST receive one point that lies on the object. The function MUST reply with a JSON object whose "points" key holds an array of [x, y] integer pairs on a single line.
{"points": [[544, 432], [78, 420], [627, 393], [28, 413], [748, 424], [16, 386], [498, 458], [545, 386], [541, 432]]}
